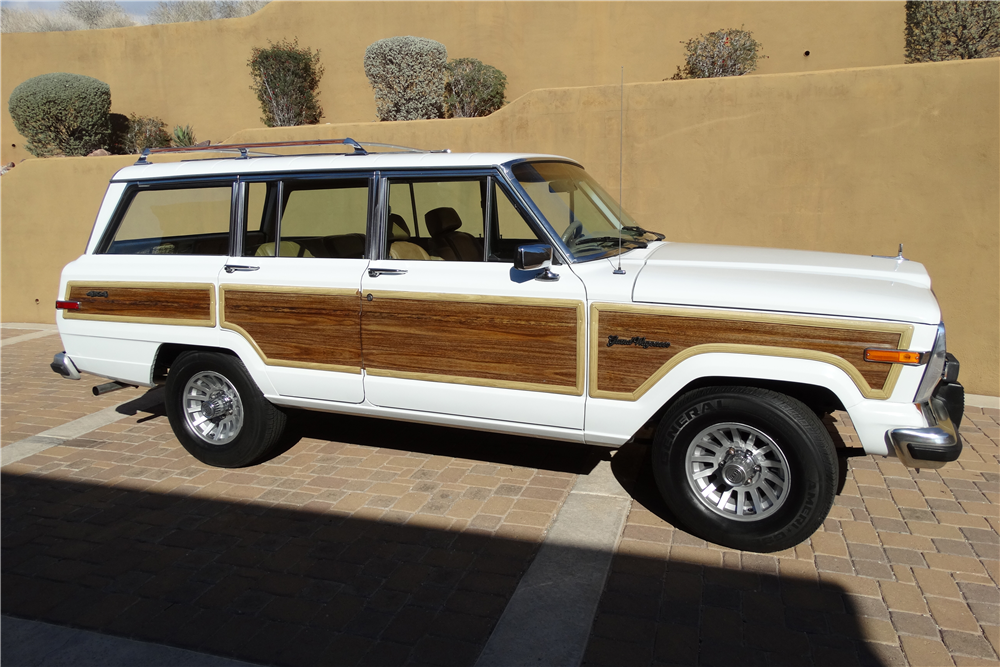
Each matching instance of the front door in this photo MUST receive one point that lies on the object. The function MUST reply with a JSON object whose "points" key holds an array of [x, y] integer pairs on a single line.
{"points": [[449, 326], [292, 290]]}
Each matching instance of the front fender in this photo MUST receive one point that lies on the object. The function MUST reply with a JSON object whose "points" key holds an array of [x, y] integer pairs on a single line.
{"points": [[611, 422]]}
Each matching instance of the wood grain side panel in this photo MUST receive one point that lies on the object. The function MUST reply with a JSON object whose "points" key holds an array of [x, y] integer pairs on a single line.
{"points": [[298, 329], [184, 303], [489, 343], [626, 368]]}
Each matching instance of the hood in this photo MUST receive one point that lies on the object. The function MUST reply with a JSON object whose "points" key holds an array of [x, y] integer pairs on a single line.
{"points": [[787, 281]]}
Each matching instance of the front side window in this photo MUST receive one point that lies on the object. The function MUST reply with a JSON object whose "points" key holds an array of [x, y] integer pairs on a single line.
{"points": [[436, 219], [188, 220], [454, 220], [586, 217], [307, 218]]}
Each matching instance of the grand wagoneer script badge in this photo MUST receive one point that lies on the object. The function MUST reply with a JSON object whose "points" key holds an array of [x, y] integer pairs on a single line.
{"points": [[637, 341]]}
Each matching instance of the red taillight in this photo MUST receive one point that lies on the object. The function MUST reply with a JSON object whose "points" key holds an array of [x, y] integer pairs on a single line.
{"points": [[67, 305]]}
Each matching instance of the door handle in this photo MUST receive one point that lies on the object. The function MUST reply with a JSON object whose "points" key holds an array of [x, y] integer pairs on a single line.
{"points": [[375, 273], [232, 268]]}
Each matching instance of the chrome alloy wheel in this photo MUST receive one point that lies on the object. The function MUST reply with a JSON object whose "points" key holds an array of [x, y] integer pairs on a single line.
{"points": [[737, 472], [212, 408]]}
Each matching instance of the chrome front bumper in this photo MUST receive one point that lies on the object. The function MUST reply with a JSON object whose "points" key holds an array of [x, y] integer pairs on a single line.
{"points": [[63, 365], [938, 443]]}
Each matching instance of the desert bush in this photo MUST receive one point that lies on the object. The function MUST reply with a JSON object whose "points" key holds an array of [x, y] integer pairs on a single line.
{"points": [[286, 81], [727, 52], [61, 114], [98, 14], [33, 20], [472, 88], [145, 132], [198, 10], [938, 31], [407, 74], [184, 136]]}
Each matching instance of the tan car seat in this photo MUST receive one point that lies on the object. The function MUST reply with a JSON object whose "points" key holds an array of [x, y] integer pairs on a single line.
{"points": [[442, 224], [288, 249]]}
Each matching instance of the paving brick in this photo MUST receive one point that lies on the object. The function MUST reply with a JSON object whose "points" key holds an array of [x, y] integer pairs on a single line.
{"points": [[914, 624], [968, 644], [950, 563], [903, 597], [952, 614], [923, 652], [859, 533], [937, 583]]}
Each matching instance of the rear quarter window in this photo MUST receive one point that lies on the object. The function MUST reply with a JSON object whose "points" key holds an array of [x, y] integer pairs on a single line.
{"points": [[174, 221]]}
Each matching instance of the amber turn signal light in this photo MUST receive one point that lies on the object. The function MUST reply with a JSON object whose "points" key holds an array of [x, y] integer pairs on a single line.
{"points": [[67, 305], [895, 356]]}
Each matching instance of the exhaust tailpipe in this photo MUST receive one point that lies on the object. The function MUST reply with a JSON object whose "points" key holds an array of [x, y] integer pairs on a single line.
{"points": [[109, 386]]}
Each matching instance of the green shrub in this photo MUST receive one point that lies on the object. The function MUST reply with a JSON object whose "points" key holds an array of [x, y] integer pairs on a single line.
{"points": [[184, 136], [61, 114], [938, 31], [286, 81], [145, 132], [727, 52], [473, 88], [407, 74]]}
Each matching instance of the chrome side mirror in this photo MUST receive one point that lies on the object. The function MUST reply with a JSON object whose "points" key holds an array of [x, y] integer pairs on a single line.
{"points": [[533, 257]]}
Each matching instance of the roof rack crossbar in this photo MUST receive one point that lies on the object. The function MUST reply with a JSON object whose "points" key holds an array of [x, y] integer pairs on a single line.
{"points": [[246, 150]]}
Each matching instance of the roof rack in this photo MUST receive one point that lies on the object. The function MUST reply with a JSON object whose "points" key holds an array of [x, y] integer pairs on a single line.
{"points": [[252, 149]]}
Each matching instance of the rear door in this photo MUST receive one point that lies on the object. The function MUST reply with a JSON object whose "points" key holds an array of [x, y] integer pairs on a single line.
{"points": [[449, 325], [292, 288]]}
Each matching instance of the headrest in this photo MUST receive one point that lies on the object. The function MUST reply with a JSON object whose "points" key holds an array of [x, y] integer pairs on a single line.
{"points": [[442, 220], [398, 230]]}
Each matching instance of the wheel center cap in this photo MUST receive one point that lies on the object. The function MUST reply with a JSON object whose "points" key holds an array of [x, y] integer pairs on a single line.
{"points": [[217, 407], [739, 468]]}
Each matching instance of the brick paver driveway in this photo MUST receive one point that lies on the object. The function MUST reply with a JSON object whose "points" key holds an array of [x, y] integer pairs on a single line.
{"points": [[372, 542]]}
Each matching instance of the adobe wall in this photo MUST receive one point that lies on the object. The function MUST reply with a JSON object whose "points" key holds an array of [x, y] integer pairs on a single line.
{"points": [[853, 161], [196, 73]]}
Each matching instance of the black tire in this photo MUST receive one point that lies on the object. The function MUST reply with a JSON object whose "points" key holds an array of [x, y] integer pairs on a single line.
{"points": [[235, 425], [777, 493]]}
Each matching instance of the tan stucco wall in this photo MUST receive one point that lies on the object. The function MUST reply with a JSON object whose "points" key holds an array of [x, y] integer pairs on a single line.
{"points": [[196, 74], [848, 161]]}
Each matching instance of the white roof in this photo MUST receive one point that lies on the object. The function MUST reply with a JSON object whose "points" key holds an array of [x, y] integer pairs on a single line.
{"points": [[313, 163]]}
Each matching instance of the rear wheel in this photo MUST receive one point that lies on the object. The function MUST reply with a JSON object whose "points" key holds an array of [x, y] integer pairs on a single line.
{"points": [[746, 468], [218, 413]]}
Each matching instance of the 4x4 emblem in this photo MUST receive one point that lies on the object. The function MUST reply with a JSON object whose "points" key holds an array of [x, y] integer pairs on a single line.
{"points": [[101, 293]]}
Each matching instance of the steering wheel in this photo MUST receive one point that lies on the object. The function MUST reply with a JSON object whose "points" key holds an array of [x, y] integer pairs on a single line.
{"points": [[573, 231]]}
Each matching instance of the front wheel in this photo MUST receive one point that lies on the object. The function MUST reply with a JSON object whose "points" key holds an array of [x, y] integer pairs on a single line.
{"points": [[217, 411], [746, 468]]}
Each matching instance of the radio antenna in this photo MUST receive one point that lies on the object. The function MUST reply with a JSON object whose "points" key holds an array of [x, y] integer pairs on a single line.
{"points": [[621, 133]]}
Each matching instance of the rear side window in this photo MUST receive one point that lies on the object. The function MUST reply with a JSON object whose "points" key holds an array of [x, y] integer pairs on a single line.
{"points": [[175, 221], [326, 218]]}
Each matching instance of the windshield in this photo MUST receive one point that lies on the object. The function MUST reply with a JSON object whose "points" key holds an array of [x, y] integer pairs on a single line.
{"points": [[579, 210]]}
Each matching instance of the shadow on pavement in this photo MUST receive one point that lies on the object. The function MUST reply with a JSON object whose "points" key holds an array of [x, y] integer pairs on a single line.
{"points": [[495, 448], [280, 586]]}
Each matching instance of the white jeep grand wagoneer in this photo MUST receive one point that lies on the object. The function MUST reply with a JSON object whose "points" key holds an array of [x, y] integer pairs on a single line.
{"points": [[508, 293]]}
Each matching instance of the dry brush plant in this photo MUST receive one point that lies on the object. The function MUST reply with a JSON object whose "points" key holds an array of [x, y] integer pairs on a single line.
{"points": [[727, 52], [937, 31]]}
